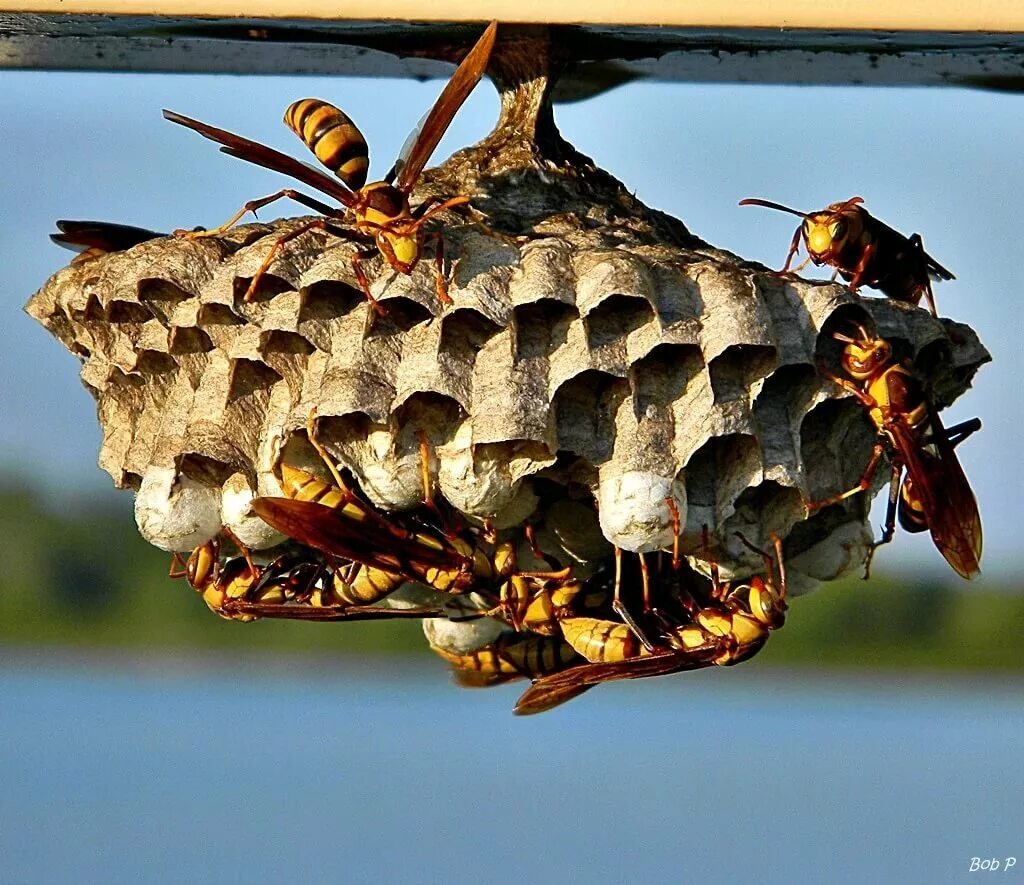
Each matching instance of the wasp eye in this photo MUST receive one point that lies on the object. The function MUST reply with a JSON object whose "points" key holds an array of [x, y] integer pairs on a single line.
{"points": [[839, 229]]}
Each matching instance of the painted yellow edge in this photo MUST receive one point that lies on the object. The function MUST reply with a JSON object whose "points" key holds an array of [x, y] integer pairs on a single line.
{"points": [[910, 15]]}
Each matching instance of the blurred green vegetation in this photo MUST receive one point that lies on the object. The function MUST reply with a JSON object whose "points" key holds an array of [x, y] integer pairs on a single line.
{"points": [[79, 575]]}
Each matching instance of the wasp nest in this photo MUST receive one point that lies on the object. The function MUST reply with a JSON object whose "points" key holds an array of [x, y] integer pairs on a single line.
{"points": [[595, 353]]}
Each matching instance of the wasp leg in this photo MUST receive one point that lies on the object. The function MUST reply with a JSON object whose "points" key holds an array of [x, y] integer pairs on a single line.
{"points": [[862, 486], [645, 578], [179, 568], [858, 274], [440, 283], [233, 538], [318, 224], [358, 258], [865, 399], [794, 244], [718, 589], [889, 527], [443, 521], [620, 609], [314, 441], [677, 531], [252, 206], [432, 207]]}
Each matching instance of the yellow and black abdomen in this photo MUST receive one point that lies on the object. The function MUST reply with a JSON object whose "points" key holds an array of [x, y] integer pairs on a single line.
{"points": [[330, 134]]}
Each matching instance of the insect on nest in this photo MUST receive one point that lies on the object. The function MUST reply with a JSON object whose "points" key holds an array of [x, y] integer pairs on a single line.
{"points": [[378, 213]]}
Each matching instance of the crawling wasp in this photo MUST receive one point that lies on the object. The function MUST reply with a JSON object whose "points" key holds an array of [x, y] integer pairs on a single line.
{"points": [[863, 250], [379, 214], [93, 239], [295, 585], [927, 489], [393, 549], [728, 626]]}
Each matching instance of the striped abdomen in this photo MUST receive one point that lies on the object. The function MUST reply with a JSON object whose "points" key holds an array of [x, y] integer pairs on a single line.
{"points": [[599, 640], [510, 656], [330, 134], [361, 585]]}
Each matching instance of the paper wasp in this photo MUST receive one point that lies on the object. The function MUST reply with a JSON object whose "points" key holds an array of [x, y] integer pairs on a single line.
{"points": [[93, 239], [378, 215], [728, 624], [397, 548], [863, 250], [927, 487], [297, 585]]}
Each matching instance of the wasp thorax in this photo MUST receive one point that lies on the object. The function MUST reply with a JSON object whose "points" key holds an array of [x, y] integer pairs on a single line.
{"points": [[382, 202]]}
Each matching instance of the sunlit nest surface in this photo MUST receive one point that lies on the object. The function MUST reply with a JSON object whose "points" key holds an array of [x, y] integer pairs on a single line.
{"points": [[595, 348]]}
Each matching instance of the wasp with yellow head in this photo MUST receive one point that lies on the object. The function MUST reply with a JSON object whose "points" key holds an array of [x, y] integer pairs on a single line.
{"points": [[379, 215], [927, 489], [863, 250]]}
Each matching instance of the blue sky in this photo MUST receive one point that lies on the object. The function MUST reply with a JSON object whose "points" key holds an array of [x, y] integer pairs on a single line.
{"points": [[945, 163]]}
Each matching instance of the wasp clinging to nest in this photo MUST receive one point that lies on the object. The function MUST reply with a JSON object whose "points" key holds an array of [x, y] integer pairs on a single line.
{"points": [[376, 215]]}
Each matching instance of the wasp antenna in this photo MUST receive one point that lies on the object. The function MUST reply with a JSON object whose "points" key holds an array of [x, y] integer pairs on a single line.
{"points": [[864, 332], [846, 339], [780, 562], [768, 204], [747, 543]]}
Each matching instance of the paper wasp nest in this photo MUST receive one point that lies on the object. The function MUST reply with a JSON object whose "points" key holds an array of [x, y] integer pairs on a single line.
{"points": [[595, 352]]}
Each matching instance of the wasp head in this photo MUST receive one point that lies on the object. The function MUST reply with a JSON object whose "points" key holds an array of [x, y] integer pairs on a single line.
{"points": [[766, 603], [865, 356], [202, 564], [827, 232]]}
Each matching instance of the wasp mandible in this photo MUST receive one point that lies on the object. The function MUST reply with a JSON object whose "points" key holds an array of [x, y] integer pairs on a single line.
{"points": [[379, 214], [863, 250], [927, 488]]}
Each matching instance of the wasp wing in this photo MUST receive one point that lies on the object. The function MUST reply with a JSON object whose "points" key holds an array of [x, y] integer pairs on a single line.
{"points": [[421, 143], [368, 542], [945, 494], [268, 158], [936, 270], [296, 612], [550, 691], [106, 235]]}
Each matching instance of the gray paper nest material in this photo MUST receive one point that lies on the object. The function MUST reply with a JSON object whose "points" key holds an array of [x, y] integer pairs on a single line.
{"points": [[585, 355]]}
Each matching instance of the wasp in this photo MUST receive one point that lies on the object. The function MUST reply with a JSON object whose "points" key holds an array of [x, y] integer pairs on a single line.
{"points": [[379, 214], [391, 550], [928, 489], [728, 625], [93, 239], [864, 251], [295, 585]]}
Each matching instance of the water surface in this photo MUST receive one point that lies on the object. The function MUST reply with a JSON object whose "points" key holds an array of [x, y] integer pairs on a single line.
{"points": [[324, 770]]}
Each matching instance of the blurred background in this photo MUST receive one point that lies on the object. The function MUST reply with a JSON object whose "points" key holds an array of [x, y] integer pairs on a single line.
{"points": [[877, 736]]}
